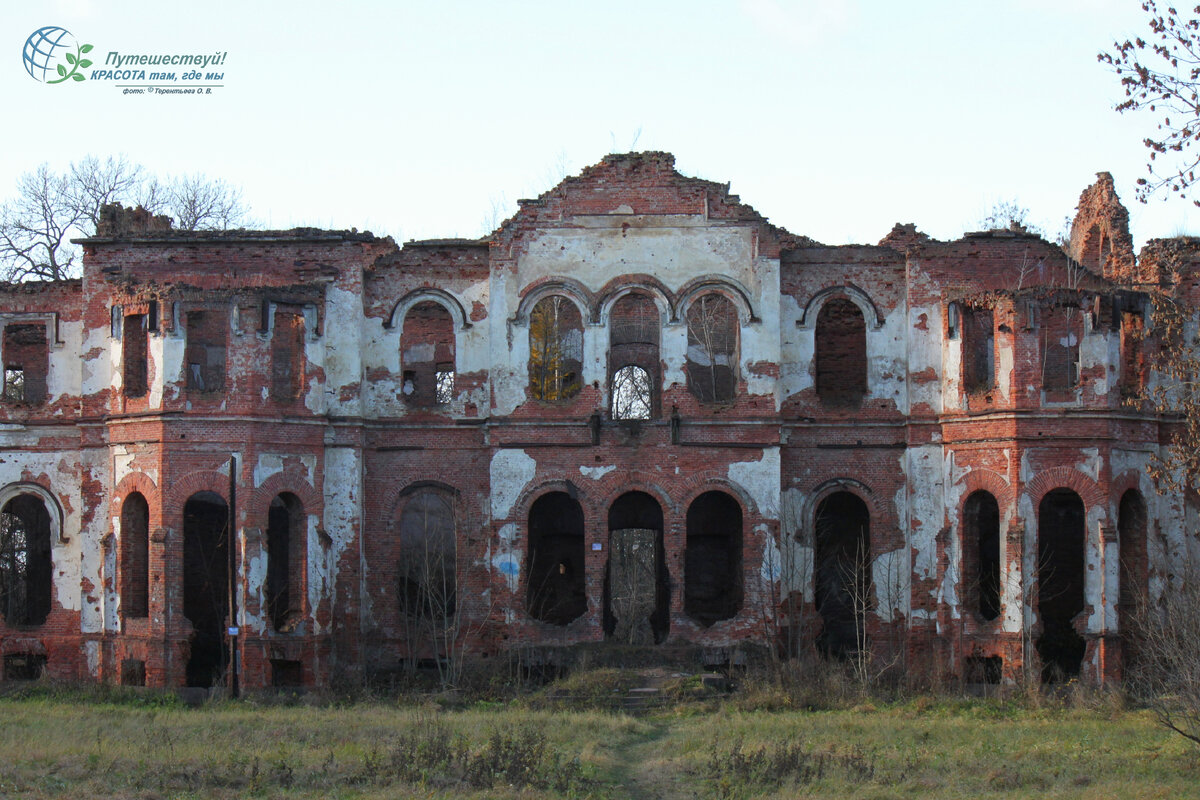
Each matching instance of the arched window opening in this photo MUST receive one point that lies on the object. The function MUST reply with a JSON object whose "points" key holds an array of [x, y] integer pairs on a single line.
{"points": [[633, 360], [637, 586], [842, 573], [428, 590], [712, 325], [135, 556], [1133, 588], [206, 586], [427, 355], [841, 354], [633, 394], [25, 563], [1061, 540], [712, 564], [981, 545], [287, 545], [557, 591], [555, 349], [978, 350]]}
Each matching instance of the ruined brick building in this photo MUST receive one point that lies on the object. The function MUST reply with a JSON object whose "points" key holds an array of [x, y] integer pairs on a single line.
{"points": [[636, 412]]}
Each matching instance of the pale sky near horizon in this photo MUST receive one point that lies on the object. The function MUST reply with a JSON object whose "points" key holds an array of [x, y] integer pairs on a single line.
{"points": [[416, 119]]}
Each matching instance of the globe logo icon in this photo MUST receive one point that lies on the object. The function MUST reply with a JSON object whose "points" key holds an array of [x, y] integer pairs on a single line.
{"points": [[52, 55]]}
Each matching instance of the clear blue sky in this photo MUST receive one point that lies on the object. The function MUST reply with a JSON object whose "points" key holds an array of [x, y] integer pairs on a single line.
{"points": [[416, 119]]}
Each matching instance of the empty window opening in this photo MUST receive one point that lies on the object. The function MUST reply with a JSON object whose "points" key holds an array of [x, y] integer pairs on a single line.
{"points": [[557, 588], [134, 356], [1062, 329], [286, 674], [206, 586], [427, 355], [428, 591], [841, 354], [133, 672], [633, 394], [287, 355], [842, 573], [978, 350], [26, 362], [555, 349], [25, 563], [983, 669], [1133, 356], [24, 666], [633, 358], [637, 584], [135, 556], [981, 546], [1061, 536], [1133, 589], [204, 355], [287, 536], [712, 326], [712, 563]]}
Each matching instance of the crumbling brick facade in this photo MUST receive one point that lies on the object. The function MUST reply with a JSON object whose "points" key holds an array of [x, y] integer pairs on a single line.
{"points": [[636, 412]]}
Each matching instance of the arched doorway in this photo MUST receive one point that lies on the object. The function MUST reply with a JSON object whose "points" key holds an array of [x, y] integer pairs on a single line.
{"points": [[842, 573], [1060, 571], [637, 586], [712, 564], [206, 585], [557, 590]]}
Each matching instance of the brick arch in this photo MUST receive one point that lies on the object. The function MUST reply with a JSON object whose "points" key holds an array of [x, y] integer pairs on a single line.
{"points": [[617, 288], [663, 498], [526, 499], [395, 319], [981, 479], [136, 482], [841, 484], [1048, 480], [412, 488], [1129, 479], [717, 284], [570, 288], [870, 312], [259, 502], [713, 480], [179, 491]]}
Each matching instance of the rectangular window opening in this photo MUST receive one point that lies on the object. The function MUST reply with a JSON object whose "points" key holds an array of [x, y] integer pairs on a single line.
{"points": [[134, 355]]}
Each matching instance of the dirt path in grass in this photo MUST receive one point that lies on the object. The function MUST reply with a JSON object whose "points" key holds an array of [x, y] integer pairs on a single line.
{"points": [[648, 774]]}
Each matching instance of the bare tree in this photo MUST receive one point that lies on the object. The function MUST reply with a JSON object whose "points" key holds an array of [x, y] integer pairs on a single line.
{"points": [[50, 208], [1162, 76], [36, 226], [1168, 660], [198, 202]]}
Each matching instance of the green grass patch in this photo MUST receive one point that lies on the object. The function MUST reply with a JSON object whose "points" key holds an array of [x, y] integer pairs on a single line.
{"points": [[64, 744]]}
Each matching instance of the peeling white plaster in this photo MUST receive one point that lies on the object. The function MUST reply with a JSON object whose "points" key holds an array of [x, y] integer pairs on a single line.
{"points": [[760, 479], [511, 472], [271, 464], [596, 473], [1091, 462], [890, 576]]}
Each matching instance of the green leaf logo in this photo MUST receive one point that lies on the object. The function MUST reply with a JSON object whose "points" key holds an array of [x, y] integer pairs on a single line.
{"points": [[77, 63]]}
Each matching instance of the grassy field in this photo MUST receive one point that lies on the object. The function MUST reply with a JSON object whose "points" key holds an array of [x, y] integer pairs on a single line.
{"points": [[65, 744]]}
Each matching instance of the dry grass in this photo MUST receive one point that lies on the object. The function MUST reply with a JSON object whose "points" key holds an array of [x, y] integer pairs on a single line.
{"points": [[81, 745]]}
